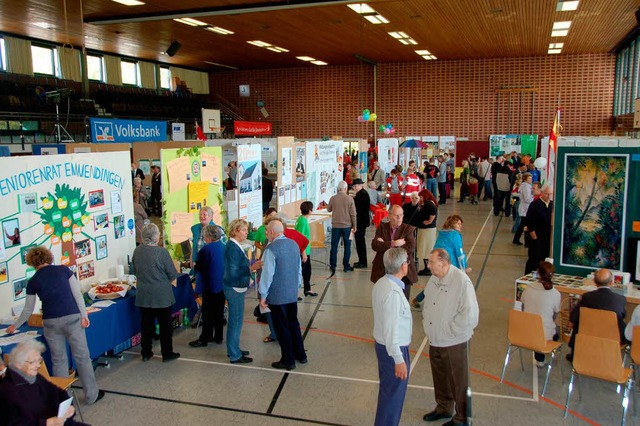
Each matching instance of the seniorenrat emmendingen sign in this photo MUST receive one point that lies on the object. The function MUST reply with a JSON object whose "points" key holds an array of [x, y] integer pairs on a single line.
{"points": [[252, 128]]}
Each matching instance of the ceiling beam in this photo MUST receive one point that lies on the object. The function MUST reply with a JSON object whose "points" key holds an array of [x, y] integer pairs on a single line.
{"points": [[215, 11]]}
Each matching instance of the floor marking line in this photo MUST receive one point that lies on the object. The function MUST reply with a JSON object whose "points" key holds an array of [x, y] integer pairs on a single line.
{"points": [[486, 256], [416, 358], [478, 236]]}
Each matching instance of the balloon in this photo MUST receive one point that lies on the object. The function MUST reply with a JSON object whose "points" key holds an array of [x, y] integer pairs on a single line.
{"points": [[366, 112], [366, 116], [382, 127], [361, 119], [540, 163], [389, 126], [387, 131], [392, 131], [373, 117]]}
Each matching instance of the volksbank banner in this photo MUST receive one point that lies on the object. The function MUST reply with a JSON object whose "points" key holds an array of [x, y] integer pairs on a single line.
{"points": [[105, 130]]}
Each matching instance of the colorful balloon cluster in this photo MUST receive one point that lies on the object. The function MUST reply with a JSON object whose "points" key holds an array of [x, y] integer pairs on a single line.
{"points": [[388, 129], [367, 116]]}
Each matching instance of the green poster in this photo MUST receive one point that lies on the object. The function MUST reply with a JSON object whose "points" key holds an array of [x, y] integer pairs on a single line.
{"points": [[529, 144]]}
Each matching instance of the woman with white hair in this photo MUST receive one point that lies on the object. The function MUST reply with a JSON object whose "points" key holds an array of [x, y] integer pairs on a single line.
{"points": [[153, 267], [28, 398]]}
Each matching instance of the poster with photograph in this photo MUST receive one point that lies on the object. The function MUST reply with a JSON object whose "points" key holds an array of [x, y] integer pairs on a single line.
{"points": [[23, 253], [496, 145], [300, 159], [11, 232], [145, 166], [82, 248], [324, 171], [4, 272], [287, 167], [387, 154], [101, 247], [118, 226], [20, 288], [250, 183], [3, 252], [96, 198], [100, 221], [448, 143], [86, 270], [28, 202], [116, 202], [594, 205]]}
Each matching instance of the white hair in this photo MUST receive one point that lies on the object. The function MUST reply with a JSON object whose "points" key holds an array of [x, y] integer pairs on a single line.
{"points": [[19, 354], [150, 234], [393, 260], [342, 186]]}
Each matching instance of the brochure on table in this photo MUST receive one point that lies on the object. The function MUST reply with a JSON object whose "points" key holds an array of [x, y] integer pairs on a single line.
{"points": [[191, 179], [80, 206]]}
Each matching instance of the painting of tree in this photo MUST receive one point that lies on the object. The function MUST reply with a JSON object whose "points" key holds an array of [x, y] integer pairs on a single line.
{"points": [[594, 205], [63, 215]]}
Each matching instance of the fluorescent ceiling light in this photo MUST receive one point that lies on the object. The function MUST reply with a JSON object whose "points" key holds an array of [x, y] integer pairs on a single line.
{"points": [[566, 5], [428, 57], [561, 25], [276, 49], [554, 51], [398, 34], [559, 33], [220, 65], [44, 25], [129, 2], [423, 52], [219, 30], [376, 19], [556, 45], [259, 43], [305, 58], [361, 8], [191, 22], [319, 63]]}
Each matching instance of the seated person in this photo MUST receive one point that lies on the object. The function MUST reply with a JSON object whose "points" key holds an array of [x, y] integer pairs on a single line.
{"points": [[601, 298], [635, 320], [28, 398]]}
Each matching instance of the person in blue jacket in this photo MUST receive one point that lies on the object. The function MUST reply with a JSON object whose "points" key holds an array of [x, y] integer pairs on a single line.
{"points": [[450, 239], [206, 218], [210, 267]]}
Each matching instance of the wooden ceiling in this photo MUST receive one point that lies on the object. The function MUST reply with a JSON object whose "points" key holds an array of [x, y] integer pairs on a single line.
{"points": [[325, 30]]}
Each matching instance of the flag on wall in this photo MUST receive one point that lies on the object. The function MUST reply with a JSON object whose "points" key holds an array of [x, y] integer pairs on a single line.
{"points": [[553, 148], [199, 133]]}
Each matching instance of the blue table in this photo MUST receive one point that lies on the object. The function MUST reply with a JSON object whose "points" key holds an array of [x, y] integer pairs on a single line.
{"points": [[112, 326]]}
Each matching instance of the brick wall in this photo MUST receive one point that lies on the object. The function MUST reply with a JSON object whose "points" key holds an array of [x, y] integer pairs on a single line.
{"points": [[430, 98]]}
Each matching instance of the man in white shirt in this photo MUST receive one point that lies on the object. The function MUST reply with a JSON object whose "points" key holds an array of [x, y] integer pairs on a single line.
{"points": [[450, 314], [392, 325]]}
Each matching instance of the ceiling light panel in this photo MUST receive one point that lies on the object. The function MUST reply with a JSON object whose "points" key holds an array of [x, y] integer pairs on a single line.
{"points": [[559, 33], [556, 45], [361, 8], [568, 5], [191, 22], [561, 25], [305, 58], [219, 30], [319, 63], [129, 2]]}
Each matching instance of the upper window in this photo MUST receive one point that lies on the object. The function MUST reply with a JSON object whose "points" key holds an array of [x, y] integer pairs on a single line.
{"points": [[165, 78], [3, 58], [45, 60], [130, 72], [95, 68]]}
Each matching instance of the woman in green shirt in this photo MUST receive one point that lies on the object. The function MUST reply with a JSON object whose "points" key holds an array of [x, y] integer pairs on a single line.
{"points": [[261, 235], [302, 226]]}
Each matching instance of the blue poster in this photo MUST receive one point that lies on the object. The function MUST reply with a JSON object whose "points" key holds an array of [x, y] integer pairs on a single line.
{"points": [[107, 130]]}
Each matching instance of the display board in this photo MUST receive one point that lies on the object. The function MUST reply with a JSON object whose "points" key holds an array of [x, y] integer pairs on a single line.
{"points": [[151, 151], [387, 154], [250, 183], [324, 171], [80, 206], [191, 179]]}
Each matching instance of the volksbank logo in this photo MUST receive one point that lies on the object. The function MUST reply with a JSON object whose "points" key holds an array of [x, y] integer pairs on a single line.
{"points": [[138, 131], [103, 131], [106, 130]]}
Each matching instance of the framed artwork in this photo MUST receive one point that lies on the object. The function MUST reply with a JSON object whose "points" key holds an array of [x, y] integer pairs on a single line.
{"points": [[100, 221], [101, 247], [20, 288], [23, 253], [11, 232], [86, 270], [96, 198], [4, 272], [118, 226], [82, 248], [28, 202], [594, 204]]}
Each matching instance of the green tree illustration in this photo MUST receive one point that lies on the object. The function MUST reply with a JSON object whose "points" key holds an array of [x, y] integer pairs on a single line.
{"points": [[63, 214]]}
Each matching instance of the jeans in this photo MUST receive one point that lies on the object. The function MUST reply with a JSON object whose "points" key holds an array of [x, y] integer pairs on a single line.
{"points": [[234, 324], [59, 331], [442, 188], [336, 233], [488, 191], [432, 186]]}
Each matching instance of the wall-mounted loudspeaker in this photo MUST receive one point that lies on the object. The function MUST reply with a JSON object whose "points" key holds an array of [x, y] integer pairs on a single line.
{"points": [[173, 48]]}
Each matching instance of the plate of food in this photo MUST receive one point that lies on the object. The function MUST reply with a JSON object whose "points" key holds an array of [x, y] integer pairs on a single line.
{"points": [[111, 289]]}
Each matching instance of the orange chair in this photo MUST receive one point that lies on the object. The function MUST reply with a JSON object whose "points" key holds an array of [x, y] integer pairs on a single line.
{"points": [[603, 324], [600, 358], [527, 332]]}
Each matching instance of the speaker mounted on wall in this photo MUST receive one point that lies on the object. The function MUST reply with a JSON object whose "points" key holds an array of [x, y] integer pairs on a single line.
{"points": [[173, 48]]}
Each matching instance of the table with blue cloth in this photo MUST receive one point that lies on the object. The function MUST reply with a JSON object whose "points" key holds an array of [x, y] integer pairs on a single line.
{"points": [[112, 326]]}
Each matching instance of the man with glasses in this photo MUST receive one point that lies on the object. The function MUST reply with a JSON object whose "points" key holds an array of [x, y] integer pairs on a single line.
{"points": [[392, 325], [390, 235], [450, 314]]}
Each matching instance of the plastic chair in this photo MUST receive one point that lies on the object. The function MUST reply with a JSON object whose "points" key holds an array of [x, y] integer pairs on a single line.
{"points": [[603, 324], [527, 332], [63, 383], [600, 358], [635, 350]]}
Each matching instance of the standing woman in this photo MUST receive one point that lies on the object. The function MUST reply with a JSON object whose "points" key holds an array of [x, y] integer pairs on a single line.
{"points": [[64, 317], [302, 226], [237, 275], [206, 218], [210, 266], [450, 239], [153, 267]]}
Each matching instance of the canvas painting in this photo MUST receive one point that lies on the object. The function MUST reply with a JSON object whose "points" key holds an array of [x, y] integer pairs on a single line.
{"points": [[594, 211]]}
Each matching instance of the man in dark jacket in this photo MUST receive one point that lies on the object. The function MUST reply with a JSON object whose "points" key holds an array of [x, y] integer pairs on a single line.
{"points": [[495, 168], [538, 223], [601, 298], [155, 202], [267, 190], [363, 220]]}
